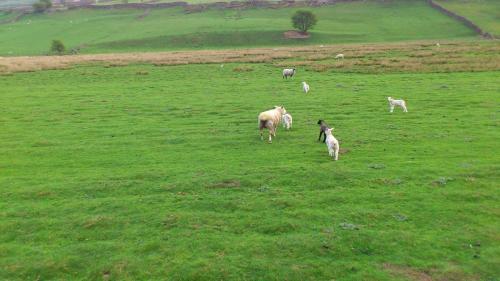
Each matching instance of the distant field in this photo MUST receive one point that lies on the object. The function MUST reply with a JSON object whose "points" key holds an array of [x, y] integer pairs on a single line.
{"points": [[158, 1], [158, 173], [5, 4], [172, 29], [484, 13]]}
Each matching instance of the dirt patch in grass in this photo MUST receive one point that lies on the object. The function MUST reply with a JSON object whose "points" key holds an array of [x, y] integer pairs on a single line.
{"points": [[226, 184], [242, 69], [408, 272], [294, 34]]}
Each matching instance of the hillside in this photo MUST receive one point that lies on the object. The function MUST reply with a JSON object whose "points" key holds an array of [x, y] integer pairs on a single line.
{"points": [[101, 31], [8, 4], [484, 13]]}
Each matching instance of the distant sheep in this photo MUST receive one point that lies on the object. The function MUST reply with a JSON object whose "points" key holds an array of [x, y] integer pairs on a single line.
{"points": [[393, 103], [288, 72], [322, 129], [332, 144], [270, 119], [438, 45], [305, 87], [339, 56], [287, 121]]}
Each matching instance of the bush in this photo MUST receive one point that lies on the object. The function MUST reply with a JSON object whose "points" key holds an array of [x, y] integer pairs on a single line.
{"points": [[304, 20], [57, 47], [42, 6]]}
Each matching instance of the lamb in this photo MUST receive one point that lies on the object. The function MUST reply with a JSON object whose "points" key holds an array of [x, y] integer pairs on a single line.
{"points": [[322, 129], [332, 144], [270, 119], [400, 103], [339, 56], [288, 72], [287, 121], [305, 87]]}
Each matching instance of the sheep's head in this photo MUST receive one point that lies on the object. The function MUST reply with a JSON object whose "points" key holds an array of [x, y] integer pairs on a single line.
{"points": [[389, 98], [320, 122], [283, 110], [329, 131], [280, 108]]}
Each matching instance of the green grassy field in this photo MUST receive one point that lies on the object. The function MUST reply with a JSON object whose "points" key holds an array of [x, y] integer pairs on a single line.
{"points": [[172, 29], [158, 173], [484, 13]]}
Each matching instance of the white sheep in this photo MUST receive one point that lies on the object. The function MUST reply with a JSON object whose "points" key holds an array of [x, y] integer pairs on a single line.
{"points": [[332, 144], [287, 121], [305, 87], [438, 45], [339, 56], [270, 119], [393, 103], [288, 72]]}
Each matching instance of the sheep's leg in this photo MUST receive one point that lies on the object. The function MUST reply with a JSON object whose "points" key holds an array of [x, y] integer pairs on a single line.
{"points": [[270, 138], [261, 135], [336, 153], [392, 108], [319, 138], [404, 109], [324, 137]]}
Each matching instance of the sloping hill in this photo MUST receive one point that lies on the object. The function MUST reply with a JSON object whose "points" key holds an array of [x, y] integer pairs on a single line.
{"points": [[484, 13], [99, 31], [8, 4]]}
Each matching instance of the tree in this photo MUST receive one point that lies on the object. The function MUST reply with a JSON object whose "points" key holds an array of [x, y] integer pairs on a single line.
{"points": [[57, 47], [304, 20], [42, 6]]}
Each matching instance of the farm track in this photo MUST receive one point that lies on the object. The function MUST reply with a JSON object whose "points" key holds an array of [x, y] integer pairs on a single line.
{"points": [[362, 58]]}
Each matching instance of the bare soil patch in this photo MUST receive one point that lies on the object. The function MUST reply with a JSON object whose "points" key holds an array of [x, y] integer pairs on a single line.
{"points": [[294, 34], [408, 272]]}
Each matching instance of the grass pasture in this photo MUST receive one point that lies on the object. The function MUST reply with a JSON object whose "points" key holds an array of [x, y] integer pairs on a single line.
{"points": [[157, 172], [484, 13], [127, 30]]}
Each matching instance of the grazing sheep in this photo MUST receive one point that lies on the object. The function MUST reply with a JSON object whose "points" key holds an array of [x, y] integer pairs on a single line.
{"points": [[305, 87], [438, 45], [270, 119], [287, 121], [339, 56], [322, 129], [400, 103], [288, 72], [333, 144]]}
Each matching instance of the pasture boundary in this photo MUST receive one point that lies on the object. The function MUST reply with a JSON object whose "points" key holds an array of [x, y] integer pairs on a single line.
{"points": [[406, 57], [461, 19]]}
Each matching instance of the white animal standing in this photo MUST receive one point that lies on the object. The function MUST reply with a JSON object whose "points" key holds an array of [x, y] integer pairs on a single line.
{"points": [[288, 72], [393, 103], [305, 87], [270, 119], [332, 144], [287, 121], [438, 45], [339, 56]]}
